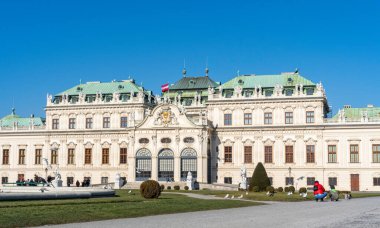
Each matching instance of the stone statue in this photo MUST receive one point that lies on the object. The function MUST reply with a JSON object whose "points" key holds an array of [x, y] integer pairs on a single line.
{"points": [[190, 181], [57, 182], [211, 90], [117, 181], [243, 174]]}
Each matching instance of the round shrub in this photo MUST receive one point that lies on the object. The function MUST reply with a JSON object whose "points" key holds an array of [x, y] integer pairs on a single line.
{"points": [[169, 188], [162, 187], [150, 189], [303, 190], [286, 189], [270, 189], [186, 188], [280, 189], [292, 189], [256, 189], [177, 188]]}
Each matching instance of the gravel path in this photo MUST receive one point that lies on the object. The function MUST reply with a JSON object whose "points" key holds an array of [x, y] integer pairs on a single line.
{"points": [[361, 213]]}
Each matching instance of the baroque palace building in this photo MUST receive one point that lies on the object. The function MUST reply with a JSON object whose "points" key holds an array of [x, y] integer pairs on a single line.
{"points": [[97, 130]]}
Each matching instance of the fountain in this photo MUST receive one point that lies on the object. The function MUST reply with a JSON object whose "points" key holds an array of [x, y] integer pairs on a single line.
{"points": [[52, 190]]}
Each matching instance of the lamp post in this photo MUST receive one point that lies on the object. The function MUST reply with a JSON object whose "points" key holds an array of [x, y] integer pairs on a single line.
{"points": [[290, 171]]}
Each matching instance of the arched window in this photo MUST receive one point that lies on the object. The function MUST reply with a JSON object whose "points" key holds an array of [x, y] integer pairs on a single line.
{"points": [[166, 165], [188, 163], [143, 164]]}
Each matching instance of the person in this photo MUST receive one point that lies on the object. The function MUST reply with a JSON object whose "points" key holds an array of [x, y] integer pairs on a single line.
{"points": [[319, 191], [77, 183], [334, 195]]}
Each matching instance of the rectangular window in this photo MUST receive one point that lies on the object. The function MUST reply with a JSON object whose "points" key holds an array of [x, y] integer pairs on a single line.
{"points": [[21, 156], [105, 155], [106, 122], [268, 118], [333, 181], [289, 181], [310, 117], [289, 154], [268, 154], [88, 123], [104, 180], [70, 180], [228, 180], [54, 157], [310, 154], [270, 180], [72, 122], [5, 157], [87, 156], [247, 118], [310, 180], [4, 180], [376, 153], [248, 154], [227, 119], [288, 117], [376, 181], [331, 154], [123, 155], [354, 153], [37, 156], [123, 122], [55, 124], [228, 154], [70, 157]]}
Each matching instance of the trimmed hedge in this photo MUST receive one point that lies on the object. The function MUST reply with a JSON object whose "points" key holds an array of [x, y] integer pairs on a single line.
{"points": [[280, 189], [302, 190], [150, 189], [186, 188], [177, 188], [169, 188], [260, 178], [270, 189], [286, 189], [292, 189], [162, 187], [256, 189]]}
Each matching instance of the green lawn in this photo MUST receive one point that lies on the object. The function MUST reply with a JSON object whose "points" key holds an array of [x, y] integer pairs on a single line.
{"points": [[37, 213], [280, 196]]}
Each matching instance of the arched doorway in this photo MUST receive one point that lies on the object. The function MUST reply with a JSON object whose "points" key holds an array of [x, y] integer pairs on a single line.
{"points": [[188, 163], [166, 165], [143, 165]]}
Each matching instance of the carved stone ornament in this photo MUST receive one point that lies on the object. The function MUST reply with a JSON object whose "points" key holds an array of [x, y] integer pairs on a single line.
{"points": [[165, 117]]}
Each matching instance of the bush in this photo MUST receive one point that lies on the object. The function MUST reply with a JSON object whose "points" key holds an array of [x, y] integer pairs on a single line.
{"points": [[292, 189], [162, 187], [186, 188], [150, 189], [302, 190], [256, 189], [270, 189], [177, 188], [169, 188], [286, 189], [280, 189], [260, 178]]}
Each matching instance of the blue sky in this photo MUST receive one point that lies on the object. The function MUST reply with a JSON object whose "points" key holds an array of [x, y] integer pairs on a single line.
{"points": [[48, 46]]}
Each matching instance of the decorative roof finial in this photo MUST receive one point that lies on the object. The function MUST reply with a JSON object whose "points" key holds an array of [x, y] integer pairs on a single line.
{"points": [[184, 72], [296, 71], [207, 70], [13, 111]]}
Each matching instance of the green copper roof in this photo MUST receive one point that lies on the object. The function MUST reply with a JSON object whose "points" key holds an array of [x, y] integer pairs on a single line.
{"points": [[125, 86], [9, 120], [189, 83], [267, 81], [356, 113]]}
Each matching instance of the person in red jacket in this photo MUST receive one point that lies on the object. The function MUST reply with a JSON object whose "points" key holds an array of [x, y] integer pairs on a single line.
{"points": [[319, 191]]}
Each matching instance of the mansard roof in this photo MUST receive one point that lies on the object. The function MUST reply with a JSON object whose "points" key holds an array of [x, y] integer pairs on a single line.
{"points": [[267, 81], [8, 121], [357, 113], [124, 86], [190, 83]]}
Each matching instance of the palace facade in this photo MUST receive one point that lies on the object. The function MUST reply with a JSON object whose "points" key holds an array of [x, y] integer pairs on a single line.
{"points": [[96, 130]]}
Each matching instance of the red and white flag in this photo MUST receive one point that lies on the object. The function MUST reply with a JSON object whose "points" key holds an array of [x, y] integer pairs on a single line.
{"points": [[165, 87]]}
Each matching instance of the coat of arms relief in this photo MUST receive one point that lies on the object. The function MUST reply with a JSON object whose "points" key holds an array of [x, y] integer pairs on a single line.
{"points": [[165, 117]]}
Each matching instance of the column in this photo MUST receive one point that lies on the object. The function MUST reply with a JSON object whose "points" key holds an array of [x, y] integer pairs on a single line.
{"points": [[177, 168], [62, 154], [154, 167], [79, 154], [114, 153]]}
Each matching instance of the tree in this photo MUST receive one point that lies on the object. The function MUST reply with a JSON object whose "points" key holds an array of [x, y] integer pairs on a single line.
{"points": [[260, 178]]}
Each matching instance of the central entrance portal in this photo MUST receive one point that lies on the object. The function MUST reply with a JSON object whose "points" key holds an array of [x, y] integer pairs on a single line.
{"points": [[166, 165]]}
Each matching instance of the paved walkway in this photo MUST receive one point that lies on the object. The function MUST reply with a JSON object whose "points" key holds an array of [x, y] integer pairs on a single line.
{"points": [[345, 213]]}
